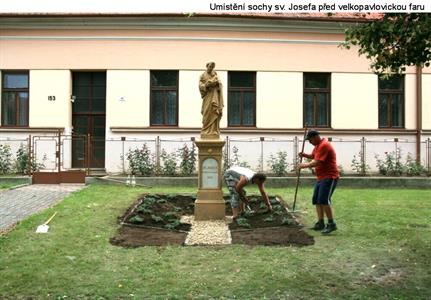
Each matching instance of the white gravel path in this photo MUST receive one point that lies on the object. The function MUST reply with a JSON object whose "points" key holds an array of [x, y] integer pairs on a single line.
{"points": [[214, 232]]}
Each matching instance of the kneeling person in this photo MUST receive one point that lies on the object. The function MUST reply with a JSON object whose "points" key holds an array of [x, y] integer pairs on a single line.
{"points": [[236, 179]]}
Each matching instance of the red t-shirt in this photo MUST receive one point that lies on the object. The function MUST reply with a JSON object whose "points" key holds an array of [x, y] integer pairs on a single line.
{"points": [[325, 153]]}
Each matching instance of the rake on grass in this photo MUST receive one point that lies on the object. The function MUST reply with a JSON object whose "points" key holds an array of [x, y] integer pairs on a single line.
{"points": [[44, 227]]}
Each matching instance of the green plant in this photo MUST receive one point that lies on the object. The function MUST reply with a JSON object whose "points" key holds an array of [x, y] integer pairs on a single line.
{"points": [[236, 159], [5, 159], [262, 205], [169, 163], [341, 170], [156, 218], [176, 208], [358, 165], [278, 163], [143, 209], [172, 225], [136, 219], [269, 219], [391, 165], [226, 161], [22, 161], [188, 159], [248, 213], [242, 222], [141, 161], [286, 221], [413, 168], [170, 215], [277, 212]]}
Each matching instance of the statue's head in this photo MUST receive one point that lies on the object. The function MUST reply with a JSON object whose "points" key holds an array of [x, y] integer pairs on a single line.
{"points": [[210, 66]]}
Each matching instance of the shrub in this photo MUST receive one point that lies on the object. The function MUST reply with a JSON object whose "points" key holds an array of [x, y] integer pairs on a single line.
{"points": [[188, 160], [358, 166], [226, 161], [140, 161], [391, 165], [5, 159], [22, 161], [278, 163], [413, 168], [235, 159], [169, 163], [341, 170]]}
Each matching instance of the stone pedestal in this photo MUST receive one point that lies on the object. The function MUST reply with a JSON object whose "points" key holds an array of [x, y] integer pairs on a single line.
{"points": [[210, 204]]}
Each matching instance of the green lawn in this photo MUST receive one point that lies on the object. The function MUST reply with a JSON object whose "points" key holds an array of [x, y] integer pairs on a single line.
{"points": [[9, 184], [382, 250]]}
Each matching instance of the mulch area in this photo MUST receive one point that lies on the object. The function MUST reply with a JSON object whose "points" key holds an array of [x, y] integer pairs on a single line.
{"points": [[154, 220]]}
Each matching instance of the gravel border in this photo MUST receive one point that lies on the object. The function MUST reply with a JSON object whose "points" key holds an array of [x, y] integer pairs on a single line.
{"points": [[210, 232]]}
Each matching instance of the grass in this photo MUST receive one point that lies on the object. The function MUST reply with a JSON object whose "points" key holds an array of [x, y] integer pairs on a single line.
{"points": [[381, 251], [9, 184]]}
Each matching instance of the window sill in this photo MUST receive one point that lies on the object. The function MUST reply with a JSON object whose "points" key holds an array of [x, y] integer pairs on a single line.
{"points": [[30, 129]]}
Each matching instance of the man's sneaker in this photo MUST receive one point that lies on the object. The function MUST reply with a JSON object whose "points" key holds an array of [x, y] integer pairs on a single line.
{"points": [[318, 226], [329, 228]]}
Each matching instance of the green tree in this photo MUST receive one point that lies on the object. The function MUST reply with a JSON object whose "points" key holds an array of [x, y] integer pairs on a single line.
{"points": [[393, 42]]}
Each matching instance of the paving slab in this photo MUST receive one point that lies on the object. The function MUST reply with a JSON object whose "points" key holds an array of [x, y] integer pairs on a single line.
{"points": [[18, 204]]}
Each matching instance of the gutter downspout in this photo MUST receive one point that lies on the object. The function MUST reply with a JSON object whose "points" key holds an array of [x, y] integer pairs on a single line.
{"points": [[418, 113]]}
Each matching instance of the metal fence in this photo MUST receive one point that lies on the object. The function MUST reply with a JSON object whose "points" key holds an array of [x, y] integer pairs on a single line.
{"points": [[355, 156]]}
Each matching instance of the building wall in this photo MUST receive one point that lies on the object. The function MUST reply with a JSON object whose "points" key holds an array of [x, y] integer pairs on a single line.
{"points": [[127, 98], [279, 99], [45, 113], [426, 101], [410, 101], [354, 101], [137, 49]]}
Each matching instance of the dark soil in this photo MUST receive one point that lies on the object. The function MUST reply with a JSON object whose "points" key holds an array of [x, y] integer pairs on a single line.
{"points": [[274, 236], [154, 220], [136, 237]]}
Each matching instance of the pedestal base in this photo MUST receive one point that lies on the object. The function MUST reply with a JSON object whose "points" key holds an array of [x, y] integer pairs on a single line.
{"points": [[209, 205], [209, 210]]}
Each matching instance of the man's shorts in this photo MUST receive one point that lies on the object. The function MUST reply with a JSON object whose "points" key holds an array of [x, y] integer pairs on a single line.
{"points": [[231, 182], [323, 191]]}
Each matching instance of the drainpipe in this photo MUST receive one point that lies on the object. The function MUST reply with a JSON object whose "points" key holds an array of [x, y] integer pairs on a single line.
{"points": [[418, 113]]}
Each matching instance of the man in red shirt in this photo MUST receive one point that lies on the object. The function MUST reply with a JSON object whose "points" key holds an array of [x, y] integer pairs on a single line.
{"points": [[324, 160]]}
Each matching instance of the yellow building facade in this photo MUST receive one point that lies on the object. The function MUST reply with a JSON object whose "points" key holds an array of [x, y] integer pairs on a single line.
{"points": [[122, 61]]}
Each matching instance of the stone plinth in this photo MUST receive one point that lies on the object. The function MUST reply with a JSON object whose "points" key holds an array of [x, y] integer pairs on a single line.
{"points": [[209, 204]]}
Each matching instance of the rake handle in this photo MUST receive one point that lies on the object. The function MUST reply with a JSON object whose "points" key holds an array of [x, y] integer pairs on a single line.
{"points": [[299, 171], [49, 220]]}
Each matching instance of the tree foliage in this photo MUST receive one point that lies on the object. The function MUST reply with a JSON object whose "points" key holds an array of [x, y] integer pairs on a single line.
{"points": [[393, 42]]}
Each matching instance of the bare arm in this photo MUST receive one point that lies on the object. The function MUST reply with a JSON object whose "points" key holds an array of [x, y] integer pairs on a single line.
{"points": [[314, 163], [240, 187], [302, 154], [265, 196]]}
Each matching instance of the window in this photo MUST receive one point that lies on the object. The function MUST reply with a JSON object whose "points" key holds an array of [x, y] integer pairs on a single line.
{"points": [[391, 102], [317, 99], [242, 99], [164, 98], [14, 106]]}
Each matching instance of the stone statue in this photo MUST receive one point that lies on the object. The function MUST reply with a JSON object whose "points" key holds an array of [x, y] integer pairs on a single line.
{"points": [[212, 102]]}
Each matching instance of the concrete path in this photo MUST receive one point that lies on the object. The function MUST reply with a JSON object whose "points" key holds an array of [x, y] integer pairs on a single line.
{"points": [[18, 204]]}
